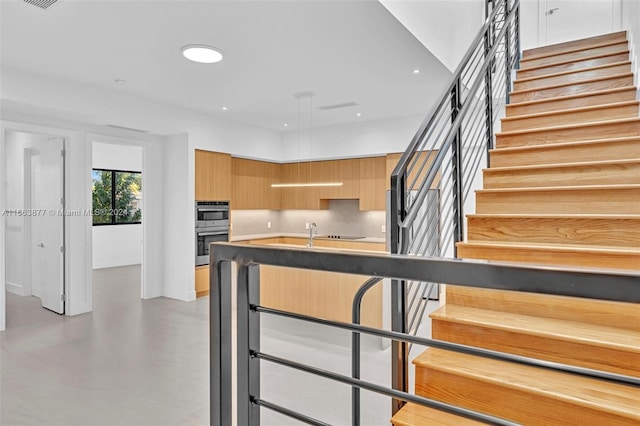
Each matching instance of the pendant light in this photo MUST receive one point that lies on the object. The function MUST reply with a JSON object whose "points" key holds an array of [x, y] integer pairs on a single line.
{"points": [[300, 96]]}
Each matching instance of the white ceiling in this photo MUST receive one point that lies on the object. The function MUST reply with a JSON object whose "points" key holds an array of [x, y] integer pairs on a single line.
{"points": [[343, 51]]}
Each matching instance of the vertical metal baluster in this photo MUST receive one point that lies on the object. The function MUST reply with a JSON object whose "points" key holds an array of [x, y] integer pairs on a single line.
{"points": [[488, 87], [517, 25], [248, 340], [507, 50], [399, 353], [220, 374], [457, 173]]}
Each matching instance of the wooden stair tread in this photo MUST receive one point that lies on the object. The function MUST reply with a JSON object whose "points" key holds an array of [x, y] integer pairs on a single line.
{"points": [[582, 391], [570, 110], [416, 415], [569, 126], [560, 216], [569, 72], [574, 44], [574, 96], [550, 55], [622, 54], [564, 144], [596, 335], [552, 247], [561, 165], [571, 83], [562, 188], [583, 230]]}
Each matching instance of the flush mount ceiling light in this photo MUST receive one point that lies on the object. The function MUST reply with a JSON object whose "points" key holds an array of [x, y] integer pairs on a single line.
{"points": [[416, 71], [202, 53]]}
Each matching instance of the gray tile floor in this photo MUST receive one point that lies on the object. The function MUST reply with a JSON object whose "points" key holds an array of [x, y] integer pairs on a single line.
{"points": [[145, 362]]}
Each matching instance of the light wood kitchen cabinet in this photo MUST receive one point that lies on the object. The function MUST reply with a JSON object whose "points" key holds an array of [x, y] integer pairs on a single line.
{"points": [[273, 196], [318, 293], [213, 176], [346, 171], [303, 198], [202, 280], [392, 161], [251, 185], [372, 183]]}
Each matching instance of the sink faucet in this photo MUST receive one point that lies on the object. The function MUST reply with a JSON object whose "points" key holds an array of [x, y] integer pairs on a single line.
{"points": [[313, 228]]}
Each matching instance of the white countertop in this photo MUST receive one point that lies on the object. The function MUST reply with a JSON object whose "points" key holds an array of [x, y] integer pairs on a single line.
{"points": [[238, 238]]}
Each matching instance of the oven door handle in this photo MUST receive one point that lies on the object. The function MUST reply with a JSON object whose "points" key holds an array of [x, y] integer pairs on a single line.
{"points": [[208, 234], [200, 209]]}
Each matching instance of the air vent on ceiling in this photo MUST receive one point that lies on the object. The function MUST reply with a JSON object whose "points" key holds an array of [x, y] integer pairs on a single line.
{"points": [[42, 4], [127, 128], [336, 106]]}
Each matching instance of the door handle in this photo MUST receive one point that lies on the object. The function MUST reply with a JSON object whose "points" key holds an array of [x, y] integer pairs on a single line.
{"points": [[41, 245], [551, 11]]}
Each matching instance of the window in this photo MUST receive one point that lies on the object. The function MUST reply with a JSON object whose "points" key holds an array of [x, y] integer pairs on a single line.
{"points": [[117, 197]]}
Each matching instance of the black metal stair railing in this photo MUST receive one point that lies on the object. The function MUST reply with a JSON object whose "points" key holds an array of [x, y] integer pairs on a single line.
{"points": [[437, 174]]}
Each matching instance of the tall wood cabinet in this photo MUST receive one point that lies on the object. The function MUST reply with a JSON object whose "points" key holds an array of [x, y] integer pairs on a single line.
{"points": [[213, 175], [251, 185]]}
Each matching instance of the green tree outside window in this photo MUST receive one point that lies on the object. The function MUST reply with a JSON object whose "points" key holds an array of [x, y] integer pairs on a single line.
{"points": [[117, 197]]}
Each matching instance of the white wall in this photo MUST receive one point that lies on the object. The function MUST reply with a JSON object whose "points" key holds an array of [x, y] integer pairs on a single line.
{"points": [[179, 220], [117, 245], [368, 138], [96, 106], [630, 18], [445, 27]]}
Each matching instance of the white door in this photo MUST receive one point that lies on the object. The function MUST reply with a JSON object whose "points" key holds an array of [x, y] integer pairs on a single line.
{"points": [[47, 224], [567, 20]]}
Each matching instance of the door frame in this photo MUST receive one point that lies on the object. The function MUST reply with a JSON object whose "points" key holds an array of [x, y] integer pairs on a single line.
{"points": [[67, 136], [146, 288]]}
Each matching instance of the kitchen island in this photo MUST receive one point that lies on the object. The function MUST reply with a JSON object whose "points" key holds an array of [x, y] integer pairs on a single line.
{"points": [[321, 294]]}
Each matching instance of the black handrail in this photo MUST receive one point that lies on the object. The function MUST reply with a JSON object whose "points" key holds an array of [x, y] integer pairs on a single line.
{"points": [[594, 283], [454, 126]]}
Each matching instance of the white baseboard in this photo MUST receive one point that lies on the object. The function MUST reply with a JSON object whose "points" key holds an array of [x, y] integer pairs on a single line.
{"points": [[15, 288], [114, 263]]}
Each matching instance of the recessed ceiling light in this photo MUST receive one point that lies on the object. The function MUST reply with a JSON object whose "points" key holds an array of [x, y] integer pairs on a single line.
{"points": [[224, 108], [202, 53], [285, 125], [358, 115], [416, 71]]}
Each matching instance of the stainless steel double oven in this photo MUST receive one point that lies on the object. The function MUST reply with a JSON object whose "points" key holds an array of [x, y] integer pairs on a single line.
{"points": [[212, 225]]}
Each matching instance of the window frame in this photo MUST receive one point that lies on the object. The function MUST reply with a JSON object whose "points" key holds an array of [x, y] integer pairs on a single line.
{"points": [[113, 196]]}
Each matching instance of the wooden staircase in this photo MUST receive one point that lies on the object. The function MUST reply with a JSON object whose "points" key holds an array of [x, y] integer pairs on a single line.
{"points": [[563, 189]]}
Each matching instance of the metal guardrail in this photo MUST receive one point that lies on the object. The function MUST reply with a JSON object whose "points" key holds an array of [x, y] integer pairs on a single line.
{"points": [[596, 284], [445, 155]]}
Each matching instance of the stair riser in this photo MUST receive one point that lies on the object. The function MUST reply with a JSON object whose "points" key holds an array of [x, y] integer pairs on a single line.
{"points": [[509, 403], [599, 114], [539, 347], [572, 102], [572, 89], [594, 174], [604, 130], [586, 43], [574, 56], [573, 66], [550, 257], [542, 230], [573, 77], [609, 150], [611, 314]]}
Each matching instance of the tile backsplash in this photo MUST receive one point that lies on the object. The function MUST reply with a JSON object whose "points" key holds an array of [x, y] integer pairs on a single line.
{"points": [[342, 218]]}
